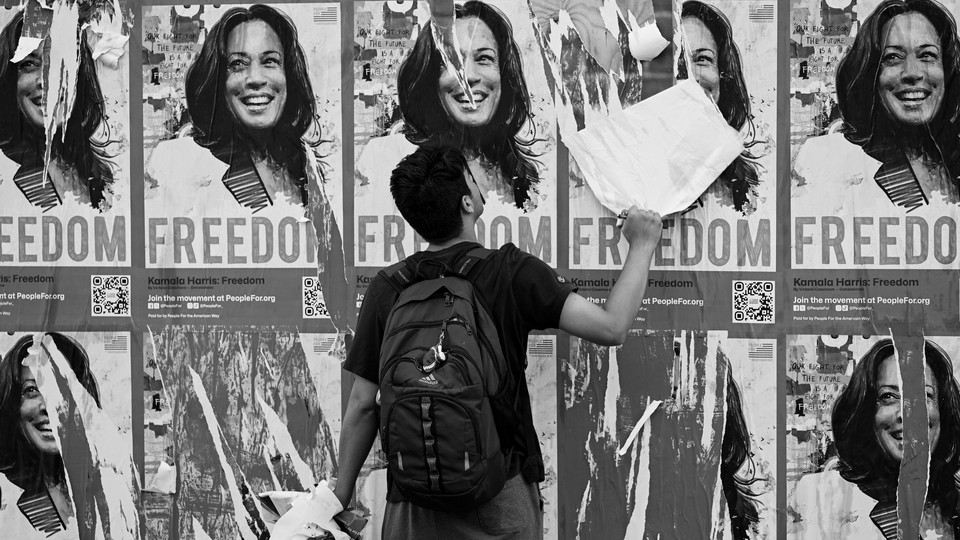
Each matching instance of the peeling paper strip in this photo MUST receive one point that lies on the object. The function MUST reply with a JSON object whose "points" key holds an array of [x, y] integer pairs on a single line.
{"points": [[651, 407], [710, 389], [637, 523], [612, 393], [239, 512], [443, 19], [62, 67], [268, 462], [111, 453], [284, 442]]}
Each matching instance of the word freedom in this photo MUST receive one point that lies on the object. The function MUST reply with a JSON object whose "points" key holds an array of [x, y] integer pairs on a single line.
{"points": [[30, 239], [238, 240], [879, 241]]}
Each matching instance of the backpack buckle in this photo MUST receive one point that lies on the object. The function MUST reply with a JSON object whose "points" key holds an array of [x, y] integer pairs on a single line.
{"points": [[432, 359], [448, 300]]}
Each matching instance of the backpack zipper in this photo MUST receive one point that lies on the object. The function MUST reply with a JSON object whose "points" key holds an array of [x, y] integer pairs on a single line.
{"points": [[441, 397], [393, 362], [485, 343]]}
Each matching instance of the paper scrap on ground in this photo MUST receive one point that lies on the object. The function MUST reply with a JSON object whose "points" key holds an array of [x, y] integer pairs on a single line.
{"points": [[660, 154], [636, 429]]}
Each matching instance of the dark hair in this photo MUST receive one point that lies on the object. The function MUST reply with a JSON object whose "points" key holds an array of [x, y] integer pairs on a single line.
{"points": [[735, 453], [214, 125], [863, 461], [19, 460], [734, 101], [499, 141], [865, 119], [427, 187], [75, 143]]}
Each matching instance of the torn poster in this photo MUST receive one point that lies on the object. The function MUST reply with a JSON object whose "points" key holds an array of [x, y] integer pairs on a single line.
{"points": [[66, 459], [247, 173], [64, 136], [870, 436], [732, 225], [405, 99], [703, 466], [236, 412]]}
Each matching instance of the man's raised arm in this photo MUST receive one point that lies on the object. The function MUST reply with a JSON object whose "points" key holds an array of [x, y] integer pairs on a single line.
{"points": [[608, 325]]}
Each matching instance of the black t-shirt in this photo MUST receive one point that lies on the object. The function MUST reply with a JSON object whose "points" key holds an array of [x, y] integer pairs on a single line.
{"points": [[519, 291]]}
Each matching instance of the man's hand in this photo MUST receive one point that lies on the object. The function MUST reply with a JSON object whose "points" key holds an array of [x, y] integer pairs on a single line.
{"points": [[641, 228], [608, 325]]}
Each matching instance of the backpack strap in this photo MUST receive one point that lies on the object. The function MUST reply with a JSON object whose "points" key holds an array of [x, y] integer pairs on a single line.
{"points": [[469, 265], [400, 275]]}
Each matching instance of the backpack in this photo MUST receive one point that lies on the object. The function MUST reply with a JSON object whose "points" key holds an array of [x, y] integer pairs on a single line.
{"points": [[441, 364]]}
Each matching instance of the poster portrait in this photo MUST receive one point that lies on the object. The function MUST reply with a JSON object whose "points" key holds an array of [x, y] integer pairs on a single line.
{"points": [[404, 98], [64, 135], [851, 439], [703, 465], [230, 414], [66, 460], [242, 135], [732, 44], [873, 134]]}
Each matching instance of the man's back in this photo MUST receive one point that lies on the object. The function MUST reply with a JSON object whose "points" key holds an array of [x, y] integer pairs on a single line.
{"points": [[520, 292]]}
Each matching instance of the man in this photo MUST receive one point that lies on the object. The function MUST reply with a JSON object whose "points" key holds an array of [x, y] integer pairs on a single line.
{"points": [[436, 193]]}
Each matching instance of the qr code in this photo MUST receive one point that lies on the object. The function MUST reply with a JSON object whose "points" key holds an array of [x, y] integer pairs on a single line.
{"points": [[313, 305], [110, 296], [753, 301]]}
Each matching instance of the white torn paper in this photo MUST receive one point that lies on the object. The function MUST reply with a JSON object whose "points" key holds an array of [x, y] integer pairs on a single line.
{"points": [[109, 48], [164, 480], [310, 515], [651, 407], [26, 46], [284, 442], [646, 43], [660, 154]]}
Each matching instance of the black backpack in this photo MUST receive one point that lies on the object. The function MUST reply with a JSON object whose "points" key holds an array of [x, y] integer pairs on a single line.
{"points": [[440, 365]]}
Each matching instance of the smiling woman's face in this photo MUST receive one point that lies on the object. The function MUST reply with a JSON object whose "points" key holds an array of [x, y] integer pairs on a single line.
{"points": [[911, 81], [256, 85], [30, 88], [481, 61], [34, 421], [888, 420]]}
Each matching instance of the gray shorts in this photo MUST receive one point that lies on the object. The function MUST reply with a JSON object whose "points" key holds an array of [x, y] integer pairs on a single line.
{"points": [[516, 513]]}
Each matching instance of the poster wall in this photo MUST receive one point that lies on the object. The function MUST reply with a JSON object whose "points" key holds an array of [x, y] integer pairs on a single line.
{"points": [[705, 463], [193, 264]]}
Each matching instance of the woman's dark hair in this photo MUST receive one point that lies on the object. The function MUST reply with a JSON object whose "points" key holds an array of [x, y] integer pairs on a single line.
{"points": [[865, 119], [499, 141], [734, 101], [863, 460], [214, 125], [75, 143], [20, 461], [735, 453]]}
